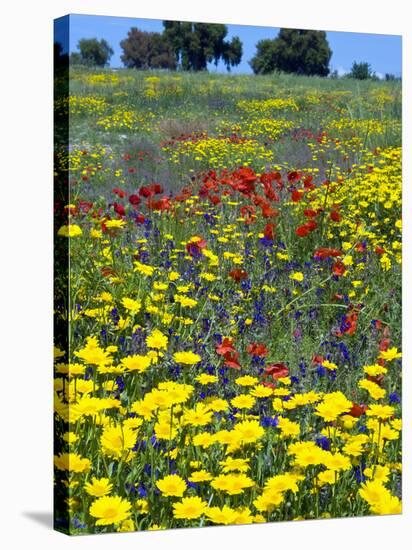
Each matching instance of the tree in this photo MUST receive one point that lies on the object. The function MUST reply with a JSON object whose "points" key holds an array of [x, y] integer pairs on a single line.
{"points": [[76, 58], [60, 59], [147, 50], [264, 60], [93, 52], [293, 51], [361, 71], [197, 44]]}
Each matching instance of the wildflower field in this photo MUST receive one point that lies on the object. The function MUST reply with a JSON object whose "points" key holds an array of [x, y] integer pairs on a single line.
{"points": [[233, 309]]}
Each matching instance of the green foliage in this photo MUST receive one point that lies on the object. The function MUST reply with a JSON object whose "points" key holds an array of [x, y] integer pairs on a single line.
{"points": [[60, 59], [293, 51], [93, 52], [361, 71], [197, 44], [147, 50]]}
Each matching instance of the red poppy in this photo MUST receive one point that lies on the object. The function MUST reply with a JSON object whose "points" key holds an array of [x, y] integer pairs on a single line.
{"points": [[119, 192], [140, 219], [335, 216], [276, 370], [85, 206], [379, 250], [384, 344], [260, 350], [238, 275], [160, 205], [215, 199], [296, 195], [269, 231], [107, 271], [338, 268], [157, 188], [294, 176], [231, 360], [318, 359], [146, 192], [376, 379], [134, 200], [306, 228], [248, 214], [270, 193], [268, 211], [309, 213], [307, 183], [322, 253], [357, 410], [119, 209], [302, 231], [225, 347]]}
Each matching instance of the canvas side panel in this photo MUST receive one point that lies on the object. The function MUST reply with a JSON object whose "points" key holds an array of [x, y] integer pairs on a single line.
{"points": [[61, 270]]}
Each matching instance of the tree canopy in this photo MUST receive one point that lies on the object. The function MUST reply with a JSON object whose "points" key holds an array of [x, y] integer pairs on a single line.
{"points": [[293, 51], [93, 52], [361, 71], [197, 44], [147, 50]]}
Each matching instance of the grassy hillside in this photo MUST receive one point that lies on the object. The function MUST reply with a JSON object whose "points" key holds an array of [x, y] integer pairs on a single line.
{"points": [[235, 300]]}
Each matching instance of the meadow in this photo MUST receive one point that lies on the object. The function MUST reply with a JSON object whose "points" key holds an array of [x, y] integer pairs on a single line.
{"points": [[233, 350]]}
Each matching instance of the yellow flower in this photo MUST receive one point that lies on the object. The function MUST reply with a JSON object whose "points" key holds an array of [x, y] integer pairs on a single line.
{"points": [[110, 510], [98, 487], [261, 391], [233, 484], [143, 269], [186, 357], [115, 224], [70, 230], [243, 401], [248, 431], [199, 476], [328, 476], [328, 365], [297, 276], [157, 340], [379, 473], [136, 362], [200, 415], [205, 379], [72, 462], [126, 526], [246, 380], [288, 428], [185, 301], [380, 411], [93, 354], [117, 441], [336, 462], [133, 306], [172, 486], [221, 516], [374, 390], [390, 354], [189, 508], [235, 465]]}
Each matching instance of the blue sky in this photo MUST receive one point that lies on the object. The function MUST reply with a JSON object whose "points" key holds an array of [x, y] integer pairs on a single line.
{"points": [[383, 52]]}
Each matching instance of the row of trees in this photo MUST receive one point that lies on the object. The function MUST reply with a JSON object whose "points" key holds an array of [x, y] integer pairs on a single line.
{"points": [[191, 46]]}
